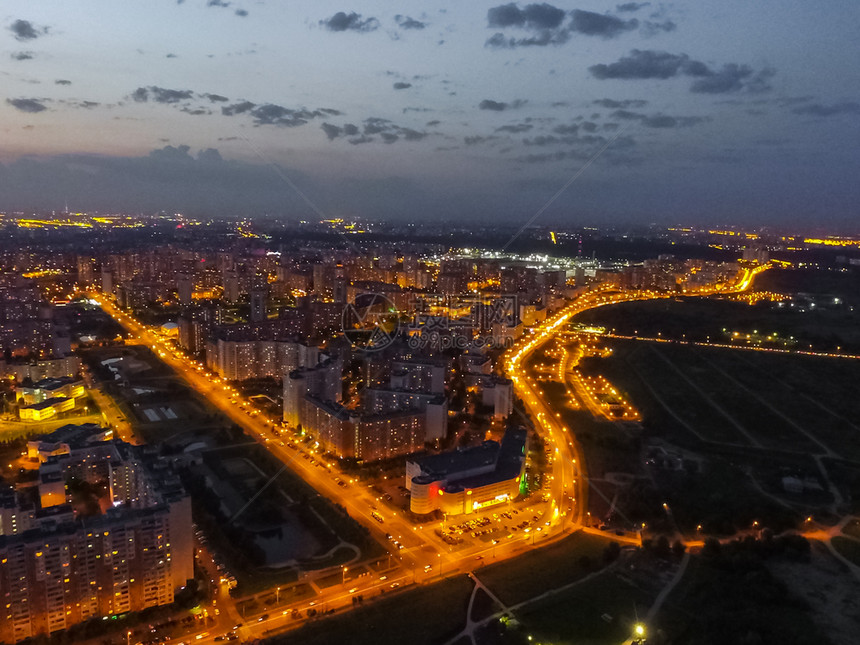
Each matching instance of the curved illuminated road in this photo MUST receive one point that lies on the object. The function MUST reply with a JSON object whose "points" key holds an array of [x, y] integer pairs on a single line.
{"points": [[569, 477]]}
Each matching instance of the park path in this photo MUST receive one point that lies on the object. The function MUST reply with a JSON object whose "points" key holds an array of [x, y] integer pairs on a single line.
{"points": [[508, 610], [664, 593]]}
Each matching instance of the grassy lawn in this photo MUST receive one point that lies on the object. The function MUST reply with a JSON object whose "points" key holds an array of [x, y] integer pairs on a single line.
{"points": [[812, 392], [598, 612], [536, 571], [484, 606], [422, 616], [848, 548]]}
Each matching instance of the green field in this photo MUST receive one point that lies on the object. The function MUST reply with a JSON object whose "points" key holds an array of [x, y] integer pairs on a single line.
{"points": [[421, 616], [791, 403], [601, 611], [534, 572]]}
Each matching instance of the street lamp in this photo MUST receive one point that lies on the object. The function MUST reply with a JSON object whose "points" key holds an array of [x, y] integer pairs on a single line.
{"points": [[343, 574], [639, 630]]}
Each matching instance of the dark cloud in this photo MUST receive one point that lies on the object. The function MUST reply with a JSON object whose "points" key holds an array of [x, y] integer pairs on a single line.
{"points": [[217, 3], [543, 20], [643, 64], [659, 120], [26, 30], [331, 131], [375, 125], [402, 86], [665, 121], [241, 13], [546, 24], [597, 24], [27, 105], [626, 115], [515, 128], [62, 81], [405, 22], [22, 56], [498, 106], [352, 21], [237, 108], [215, 98], [532, 16], [544, 38], [506, 15], [495, 106], [160, 95], [626, 103], [271, 114], [372, 127], [573, 128], [631, 6], [412, 135], [433, 123], [818, 109]]}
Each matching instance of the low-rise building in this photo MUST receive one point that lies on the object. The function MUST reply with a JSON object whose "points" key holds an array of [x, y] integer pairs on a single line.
{"points": [[467, 480]]}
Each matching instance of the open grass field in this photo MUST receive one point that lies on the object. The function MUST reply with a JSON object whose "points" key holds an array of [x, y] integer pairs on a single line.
{"points": [[421, 616], [785, 402], [534, 572], [601, 611]]}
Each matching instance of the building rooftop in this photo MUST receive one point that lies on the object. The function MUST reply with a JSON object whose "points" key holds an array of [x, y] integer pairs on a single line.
{"points": [[47, 403], [450, 463], [507, 459]]}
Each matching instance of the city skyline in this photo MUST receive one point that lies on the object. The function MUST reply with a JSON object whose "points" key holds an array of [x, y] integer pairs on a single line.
{"points": [[654, 112]]}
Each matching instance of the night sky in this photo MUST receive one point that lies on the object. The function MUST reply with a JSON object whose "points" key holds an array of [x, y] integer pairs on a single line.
{"points": [[730, 112]]}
